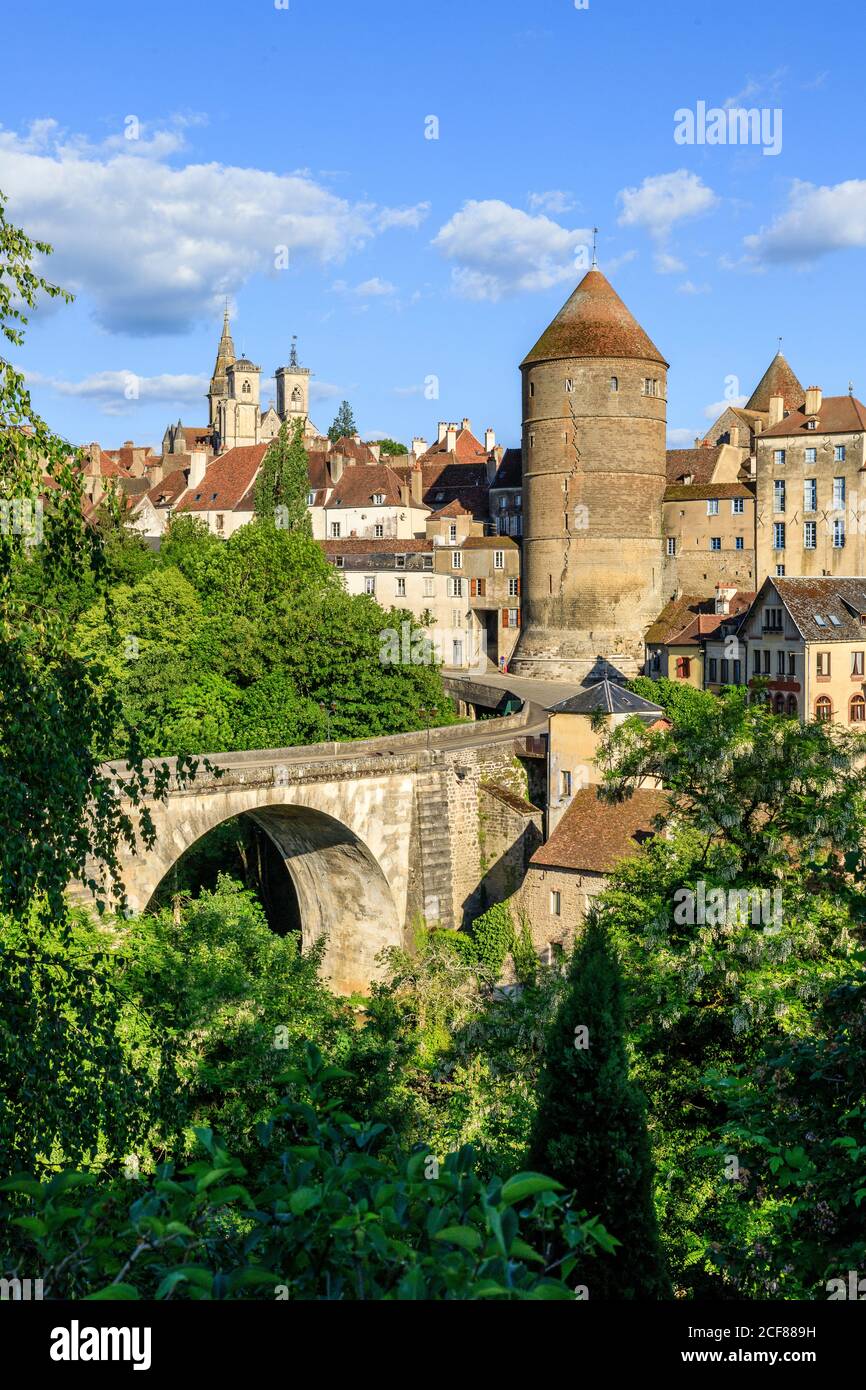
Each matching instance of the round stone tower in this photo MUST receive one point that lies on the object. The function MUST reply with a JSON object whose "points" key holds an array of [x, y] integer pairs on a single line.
{"points": [[594, 412]]}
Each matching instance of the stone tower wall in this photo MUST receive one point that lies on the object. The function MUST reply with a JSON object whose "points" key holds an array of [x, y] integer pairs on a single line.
{"points": [[593, 484]]}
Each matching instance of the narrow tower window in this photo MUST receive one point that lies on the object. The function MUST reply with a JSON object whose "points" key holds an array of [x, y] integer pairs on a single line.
{"points": [[614, 383]]}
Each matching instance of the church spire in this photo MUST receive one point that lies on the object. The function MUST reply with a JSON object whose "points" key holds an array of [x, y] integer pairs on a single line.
{"points": [[224, 359]]}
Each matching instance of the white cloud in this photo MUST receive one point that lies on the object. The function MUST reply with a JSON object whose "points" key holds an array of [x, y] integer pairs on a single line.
{"points": [[818, 220], [411, 217], [500, 250], [689, 287], [666, 264], [553, 201], [368, 289], [769, 84], [713, 411], [125, 387], [680, 439], [154, 245], [328, 391], [664, 199]]}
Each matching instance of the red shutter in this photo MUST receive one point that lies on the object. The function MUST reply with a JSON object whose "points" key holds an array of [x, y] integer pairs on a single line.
{"points": [[518, 586], [680, 664], [505, 617], [518, 617], [473, 591]]}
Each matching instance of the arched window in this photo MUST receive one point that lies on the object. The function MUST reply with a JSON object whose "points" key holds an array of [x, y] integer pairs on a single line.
{"points": [[779, 703], [793, 711], [246, 388], [296, 396], [823, 709], [614, 383], [857, 710]]}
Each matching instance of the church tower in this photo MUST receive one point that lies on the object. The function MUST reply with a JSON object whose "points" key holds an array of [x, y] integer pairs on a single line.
{"points": [[594, 417], [219, 389], [293, 388]]}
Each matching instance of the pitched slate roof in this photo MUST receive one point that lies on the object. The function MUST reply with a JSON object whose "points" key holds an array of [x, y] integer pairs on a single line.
{"points": [[838, 415], [510, 470], [828, 597], [609, 697], [594, 835], [778, 379], [357, 545], [594, 322]]}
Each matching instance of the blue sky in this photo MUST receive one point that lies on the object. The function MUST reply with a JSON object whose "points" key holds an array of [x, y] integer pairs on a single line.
{"points": [[261, 128]]}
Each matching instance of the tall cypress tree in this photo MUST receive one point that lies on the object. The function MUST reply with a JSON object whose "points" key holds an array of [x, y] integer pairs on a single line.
{"points": [[590, 1127], [283, 485]]}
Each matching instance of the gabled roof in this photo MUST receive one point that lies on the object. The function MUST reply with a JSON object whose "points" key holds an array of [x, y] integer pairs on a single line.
{"points": [[510, 470], [173, 486], [685, 621], [838, 601], [611, 698], [594, 835], [454, 508], [360, 482], [778, 379], [698, 464], [352, 449], [225, 481], [594, 322], [467, 449], [838, 415]]}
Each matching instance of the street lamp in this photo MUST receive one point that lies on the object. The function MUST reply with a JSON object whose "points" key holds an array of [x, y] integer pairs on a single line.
{"points": [[427, 715], [328, 711]]}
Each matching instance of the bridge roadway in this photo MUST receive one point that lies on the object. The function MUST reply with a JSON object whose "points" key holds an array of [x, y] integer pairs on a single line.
{"points": [[370, 830]]}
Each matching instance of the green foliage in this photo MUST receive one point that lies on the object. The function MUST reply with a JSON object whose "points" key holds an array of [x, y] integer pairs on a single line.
{"points": [[344, 426], [390, 448], [84, 1074], [590, 1129], [492, 936], [796, 1126], [283, 483], [318, 1213], [676, 698], [238, 1000]]}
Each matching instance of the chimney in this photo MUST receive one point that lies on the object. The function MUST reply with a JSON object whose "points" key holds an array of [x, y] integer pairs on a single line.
{"points": [[490, 440], [375, 450], [335, 466], [451, 439], [725, 594], [734, 436], [404, 494], [197, 467], [813, 400], [419, 446], [443, 430], [416, 484], [467, 424], [777, 409]]}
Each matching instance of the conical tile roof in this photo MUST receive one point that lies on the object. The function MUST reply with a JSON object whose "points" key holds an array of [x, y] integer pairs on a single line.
{"points": [[777, 380], [594, 322]]}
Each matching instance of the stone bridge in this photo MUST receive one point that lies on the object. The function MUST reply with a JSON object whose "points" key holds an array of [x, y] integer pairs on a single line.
{"points": [[376, 834]]}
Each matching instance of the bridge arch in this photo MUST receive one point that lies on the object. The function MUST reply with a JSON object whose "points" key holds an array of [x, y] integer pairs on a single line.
{"points": [[347, 860]]}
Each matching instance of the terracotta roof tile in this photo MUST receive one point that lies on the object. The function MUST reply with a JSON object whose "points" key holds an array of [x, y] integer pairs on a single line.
{"points": [[594, 322], [699, 464], [695, 492], [838, 415], [594, 835], [225, 481], [778, 379]]}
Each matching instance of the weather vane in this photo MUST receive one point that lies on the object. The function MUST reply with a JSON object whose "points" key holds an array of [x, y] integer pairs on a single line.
{"points": [[595, 248], [293, 358]]}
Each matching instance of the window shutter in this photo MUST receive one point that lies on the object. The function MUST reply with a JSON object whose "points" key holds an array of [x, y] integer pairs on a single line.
{"points": [[505, 617]]}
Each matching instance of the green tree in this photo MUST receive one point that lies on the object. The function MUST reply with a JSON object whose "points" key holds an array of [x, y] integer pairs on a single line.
{"points": [[344, 426], [391, 448], [283, 485], [590, 1129]]}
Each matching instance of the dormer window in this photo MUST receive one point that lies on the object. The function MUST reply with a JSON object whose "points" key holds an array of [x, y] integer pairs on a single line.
{"points": [[311, 498], [812, 425], [198, 497]]}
